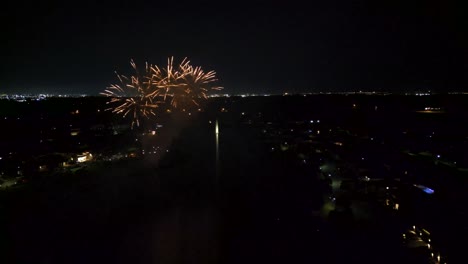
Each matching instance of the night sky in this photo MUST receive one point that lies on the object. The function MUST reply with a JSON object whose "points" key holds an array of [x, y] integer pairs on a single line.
{"points": [[75, 46]]}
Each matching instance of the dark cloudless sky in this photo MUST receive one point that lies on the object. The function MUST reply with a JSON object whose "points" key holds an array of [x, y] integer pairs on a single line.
{"points": [[268, 46]]}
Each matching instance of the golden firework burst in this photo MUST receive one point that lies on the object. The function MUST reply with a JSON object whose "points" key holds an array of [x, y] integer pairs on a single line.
{"points": [[132, 95]]}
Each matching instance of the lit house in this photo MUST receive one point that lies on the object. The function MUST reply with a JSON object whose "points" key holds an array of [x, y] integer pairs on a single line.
{"points": [[84, 157]]}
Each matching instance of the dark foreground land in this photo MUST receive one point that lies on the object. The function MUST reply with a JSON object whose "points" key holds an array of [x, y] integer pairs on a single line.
{"points": [[268, 203]]}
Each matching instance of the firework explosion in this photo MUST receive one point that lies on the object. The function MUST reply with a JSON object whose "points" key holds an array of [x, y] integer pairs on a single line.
{"points": [[195, 86], [169, 79], [131, 95], [184, 84], [138, 95]]}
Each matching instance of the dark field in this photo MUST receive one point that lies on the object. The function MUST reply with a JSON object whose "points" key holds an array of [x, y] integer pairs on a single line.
{"points": [[280, 161]]}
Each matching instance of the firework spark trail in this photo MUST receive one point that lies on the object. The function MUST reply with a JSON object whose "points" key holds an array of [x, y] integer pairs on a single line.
{"points": [[197, 83], [169, 79], [185, 84], [131, 95]]}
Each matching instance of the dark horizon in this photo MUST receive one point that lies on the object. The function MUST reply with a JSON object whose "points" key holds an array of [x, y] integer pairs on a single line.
{"points": [[333, 46]]}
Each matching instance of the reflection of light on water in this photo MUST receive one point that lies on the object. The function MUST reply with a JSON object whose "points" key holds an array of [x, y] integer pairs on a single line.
{"points": [[217, 148]]}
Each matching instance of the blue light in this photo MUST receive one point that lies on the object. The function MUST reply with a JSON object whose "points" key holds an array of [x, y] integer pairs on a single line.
{"points": [[424, 188], [428, 190]]}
